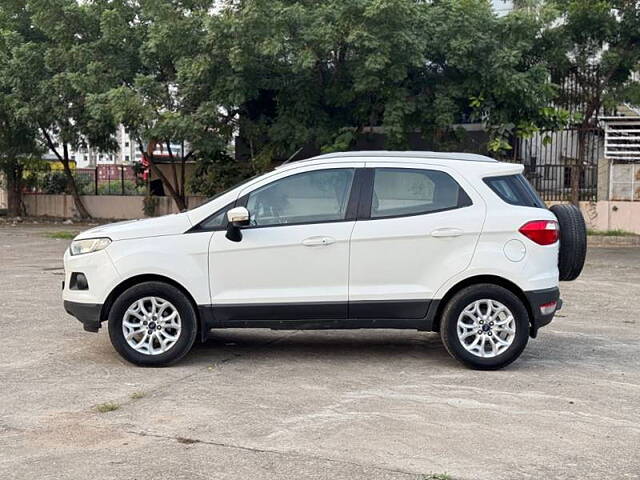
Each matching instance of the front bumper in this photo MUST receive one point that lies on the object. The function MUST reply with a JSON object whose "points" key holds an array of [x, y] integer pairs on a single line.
{"points": [[87, 313], [538, 298]]}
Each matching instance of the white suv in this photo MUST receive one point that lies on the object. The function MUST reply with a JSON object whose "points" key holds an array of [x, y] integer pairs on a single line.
{"points": [[448, 242]]}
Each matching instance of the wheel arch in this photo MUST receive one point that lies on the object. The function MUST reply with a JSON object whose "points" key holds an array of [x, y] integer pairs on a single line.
{"points": [[475, 280], [147, 277]]}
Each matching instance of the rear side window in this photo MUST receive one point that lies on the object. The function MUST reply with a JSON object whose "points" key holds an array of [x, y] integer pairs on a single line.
{"points": [[403, 191], [516, 190]]}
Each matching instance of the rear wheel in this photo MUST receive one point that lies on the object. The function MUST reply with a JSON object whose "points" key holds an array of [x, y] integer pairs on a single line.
{"points": [[573, 241], [152, 324], [485, 326]]}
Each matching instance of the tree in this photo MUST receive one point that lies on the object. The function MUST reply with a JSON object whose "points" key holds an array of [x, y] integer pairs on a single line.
{"points": [[598, 42], [51, 74], [18, 139], [19, 150], [152, 103], [295, 74]]}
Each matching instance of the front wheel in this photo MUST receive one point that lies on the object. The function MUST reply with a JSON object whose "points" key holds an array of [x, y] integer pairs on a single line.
{"points": [[485, 326], [152, 324]]}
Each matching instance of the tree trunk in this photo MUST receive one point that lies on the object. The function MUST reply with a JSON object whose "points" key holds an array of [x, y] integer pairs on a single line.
{"points": [[14, 191], [64, 159], [177, 198], [183, 162], [82, 211]]}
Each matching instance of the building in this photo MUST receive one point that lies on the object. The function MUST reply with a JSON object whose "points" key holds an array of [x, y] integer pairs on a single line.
{"points": [[502, 7], [127, 152]]}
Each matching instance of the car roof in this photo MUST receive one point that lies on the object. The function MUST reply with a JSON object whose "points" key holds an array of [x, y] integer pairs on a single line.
{"points": [[469, 163], [404, 155]]}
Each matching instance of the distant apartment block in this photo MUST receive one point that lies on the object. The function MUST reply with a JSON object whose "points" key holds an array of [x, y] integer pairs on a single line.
{"points": [[502, 7]]}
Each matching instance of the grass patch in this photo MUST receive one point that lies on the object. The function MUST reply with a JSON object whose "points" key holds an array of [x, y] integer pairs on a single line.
{"points": [[436, 476], [187, 441], [62, 235], [137, 395], [611, 233], [107, 407]]}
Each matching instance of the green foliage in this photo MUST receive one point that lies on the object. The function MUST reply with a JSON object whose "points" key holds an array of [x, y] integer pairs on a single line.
{"points": [[107, 407], [150, 205], [61, 235], [115, 187], [288, 74], [214, 175], [324, 73], [599, 40], [54, 182], [611, 233]]}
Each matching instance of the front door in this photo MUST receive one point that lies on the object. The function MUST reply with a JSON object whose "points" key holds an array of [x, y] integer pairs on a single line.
{"points": [[418, 227], [293, 260]]}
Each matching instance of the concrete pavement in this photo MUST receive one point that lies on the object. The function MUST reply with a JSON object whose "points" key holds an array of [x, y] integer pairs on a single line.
{"points": [[320, 405]]}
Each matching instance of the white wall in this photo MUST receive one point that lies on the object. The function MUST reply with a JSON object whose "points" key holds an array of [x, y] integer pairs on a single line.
{"points": [[502, 7]]}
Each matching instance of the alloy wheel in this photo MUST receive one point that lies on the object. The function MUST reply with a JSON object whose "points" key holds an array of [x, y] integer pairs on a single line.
{"points": [[486, 328], [151, 325]]}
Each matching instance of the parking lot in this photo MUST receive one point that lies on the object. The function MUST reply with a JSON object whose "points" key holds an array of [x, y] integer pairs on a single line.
{"points": [[338, 404]]}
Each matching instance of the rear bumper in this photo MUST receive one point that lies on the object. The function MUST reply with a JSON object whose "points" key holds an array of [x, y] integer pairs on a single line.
{"points": [[537, 298], [87, 313]]}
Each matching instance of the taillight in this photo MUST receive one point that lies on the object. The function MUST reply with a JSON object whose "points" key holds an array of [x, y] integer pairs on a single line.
{"points": [[543, 232]]}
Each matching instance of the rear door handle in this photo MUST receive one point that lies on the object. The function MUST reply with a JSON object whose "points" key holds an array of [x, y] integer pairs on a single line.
{"points": [[318, 241], [447, 232]]}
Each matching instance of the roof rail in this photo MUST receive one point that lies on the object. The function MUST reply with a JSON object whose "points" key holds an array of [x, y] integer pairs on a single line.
{"points": [[406, 154]]}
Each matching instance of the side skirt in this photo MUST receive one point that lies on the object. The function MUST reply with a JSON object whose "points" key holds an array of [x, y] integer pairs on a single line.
{"points": [[398, 314]]}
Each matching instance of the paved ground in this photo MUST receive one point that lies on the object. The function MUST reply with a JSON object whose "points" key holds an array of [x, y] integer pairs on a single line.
{"points": [[291, 405]]}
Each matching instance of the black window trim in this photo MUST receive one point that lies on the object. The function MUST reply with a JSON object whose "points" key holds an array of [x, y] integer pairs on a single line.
{"points": [[350, 214], [523, 189], [200, 226], [364, 211], [358, 206]]}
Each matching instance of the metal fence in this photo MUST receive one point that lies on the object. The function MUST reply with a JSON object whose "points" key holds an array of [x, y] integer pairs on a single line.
{"points": [[551, 158], [555, 161], [102, 180]]}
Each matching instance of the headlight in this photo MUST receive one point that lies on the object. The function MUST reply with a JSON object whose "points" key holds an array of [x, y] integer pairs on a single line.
{"points": [[80, 247]]}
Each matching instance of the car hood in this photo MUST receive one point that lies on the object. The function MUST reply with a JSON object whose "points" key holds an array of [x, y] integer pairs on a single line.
{"points": [[150, 227]]}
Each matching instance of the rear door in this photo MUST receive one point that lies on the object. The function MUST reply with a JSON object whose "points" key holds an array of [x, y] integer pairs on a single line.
{"points": [[417, 226]]}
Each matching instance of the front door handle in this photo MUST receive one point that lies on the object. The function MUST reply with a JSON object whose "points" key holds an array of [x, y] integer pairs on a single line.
{"points": [[318, 241], [447, 232]]}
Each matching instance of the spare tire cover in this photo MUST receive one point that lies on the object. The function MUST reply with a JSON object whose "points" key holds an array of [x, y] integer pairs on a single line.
{"points": [[573, 241]]}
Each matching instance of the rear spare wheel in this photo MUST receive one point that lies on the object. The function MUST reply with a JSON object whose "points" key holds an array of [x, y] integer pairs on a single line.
{"points": [[573, 241]]}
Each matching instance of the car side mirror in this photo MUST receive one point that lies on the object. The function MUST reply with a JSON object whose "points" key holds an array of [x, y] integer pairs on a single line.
{"points": [[237, 217]]}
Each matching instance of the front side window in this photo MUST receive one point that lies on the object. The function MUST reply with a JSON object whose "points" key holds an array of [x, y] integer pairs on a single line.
{"points": [[309, 197], [217, 221], [403, 191]]}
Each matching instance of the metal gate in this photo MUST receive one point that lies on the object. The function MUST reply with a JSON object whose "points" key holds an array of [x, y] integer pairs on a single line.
{"points": [[550, 159]]}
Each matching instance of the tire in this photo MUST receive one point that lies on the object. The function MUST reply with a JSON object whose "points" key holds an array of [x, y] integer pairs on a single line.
{"points": [[573, 241], [172, 336], [480, 294]]}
